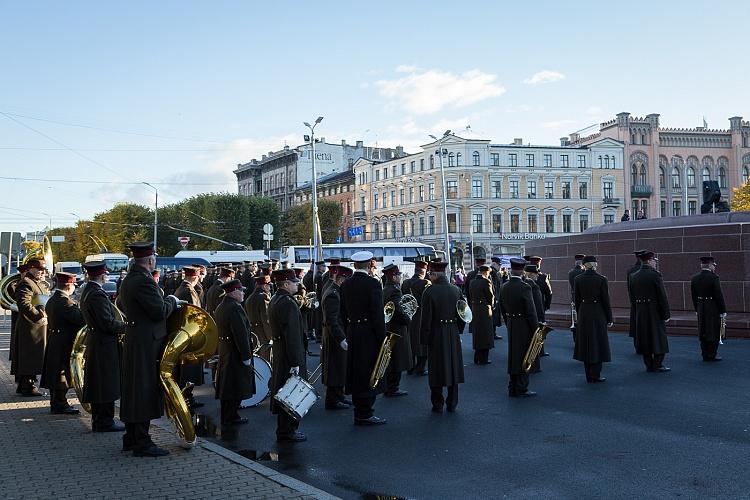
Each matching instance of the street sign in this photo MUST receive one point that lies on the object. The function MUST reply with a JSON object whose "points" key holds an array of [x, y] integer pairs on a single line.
{"points": [[184, 240], [267, 237], [355, 231], [267, 229], [339, 239]]}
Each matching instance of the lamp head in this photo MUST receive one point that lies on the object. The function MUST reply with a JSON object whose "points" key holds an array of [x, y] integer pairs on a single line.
{"points": [[433, 137], [447, 132], [306, 124], [318, 120]]}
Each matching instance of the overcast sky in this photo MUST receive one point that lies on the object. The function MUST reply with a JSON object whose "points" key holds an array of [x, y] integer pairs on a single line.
{"points": [[179, 93]]}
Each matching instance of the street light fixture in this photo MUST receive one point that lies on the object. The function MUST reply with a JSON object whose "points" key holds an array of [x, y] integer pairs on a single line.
{"points": [[318, 249], [156, 209], [447, 241]]}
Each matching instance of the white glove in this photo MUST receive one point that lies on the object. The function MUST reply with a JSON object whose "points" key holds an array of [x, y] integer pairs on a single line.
{"points": [[247, 362], [610, 325], [294, 370], [344, 345], [723, 315], [14, 308], [667, 320]]}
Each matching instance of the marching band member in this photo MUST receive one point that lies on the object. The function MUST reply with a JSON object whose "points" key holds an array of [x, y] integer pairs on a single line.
{"points": [[483, 325], [441, 327], [101, 378], [543, 281], [333, 352], [591, 293], [497, 281], [256, 308], [189, 374], [708, 301], [635, 267], [362, 313], [651, 313], [288, 348], [215, 293], [416, 286], [531, 278], [13, 318], [235, 379], [521, 321], [65, 320], [31, 329], [577, 269], [401, 354]]}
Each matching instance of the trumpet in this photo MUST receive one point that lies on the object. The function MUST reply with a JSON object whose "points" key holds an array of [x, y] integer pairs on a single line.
{"points": [[722, 330], [573, 315], [308, 300]]}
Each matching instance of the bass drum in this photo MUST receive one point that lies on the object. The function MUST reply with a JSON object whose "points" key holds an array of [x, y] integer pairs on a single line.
{"points": [[262, 383]]}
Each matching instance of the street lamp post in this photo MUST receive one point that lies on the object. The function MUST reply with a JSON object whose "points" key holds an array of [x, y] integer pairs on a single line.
{"points": [[156, 210], [318, 249], [447, 242]]}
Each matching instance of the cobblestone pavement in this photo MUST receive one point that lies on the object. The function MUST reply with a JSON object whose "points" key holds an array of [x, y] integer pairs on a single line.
{"points": [[57, 456]]}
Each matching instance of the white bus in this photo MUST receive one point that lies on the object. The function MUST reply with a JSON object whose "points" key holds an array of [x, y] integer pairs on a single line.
{"points": [[224, 256], [401, 254], [116, 262]]}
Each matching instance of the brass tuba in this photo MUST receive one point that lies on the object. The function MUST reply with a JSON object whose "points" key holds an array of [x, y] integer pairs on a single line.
{"points": [[383, 359], [535, 347], [193, 337], [464, 311], [34, 251]]}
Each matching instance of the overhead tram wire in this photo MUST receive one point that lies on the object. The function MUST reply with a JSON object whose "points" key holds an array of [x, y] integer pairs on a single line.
{"points": [[131, 183]]}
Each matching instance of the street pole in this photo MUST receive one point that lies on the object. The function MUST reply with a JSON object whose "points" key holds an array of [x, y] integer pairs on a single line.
{"points": [[447, 241], [156, 210], [317, 244]]}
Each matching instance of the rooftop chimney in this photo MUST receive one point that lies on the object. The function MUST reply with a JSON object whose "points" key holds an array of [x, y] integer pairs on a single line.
{"points": [[264, 157], [518, 141], [399, 151], [360, 144], [343, 142], [564, 141], [574, 137]]}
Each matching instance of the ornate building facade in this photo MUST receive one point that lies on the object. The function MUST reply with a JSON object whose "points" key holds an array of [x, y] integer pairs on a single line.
{"points": [[337, 187], [666, 166], [498, 195]]}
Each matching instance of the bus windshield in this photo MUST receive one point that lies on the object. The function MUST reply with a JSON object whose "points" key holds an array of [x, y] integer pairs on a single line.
{"points": [[115, 265]]}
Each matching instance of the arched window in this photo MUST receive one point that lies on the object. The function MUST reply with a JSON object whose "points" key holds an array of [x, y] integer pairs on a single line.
{"points": [[690, 177], [475, 158], [722, 177], [706, 174], [613, 162], [745, 174], [599, 162], [643, 175], [458, 159], [675, 177], [662, 181], [606, 161], [432, 161], [451, 160], [634, 174]]}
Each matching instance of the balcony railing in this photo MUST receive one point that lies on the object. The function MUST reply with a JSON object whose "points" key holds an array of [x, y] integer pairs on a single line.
{"points": [[640, 190], [611, 201], [358, 213]]}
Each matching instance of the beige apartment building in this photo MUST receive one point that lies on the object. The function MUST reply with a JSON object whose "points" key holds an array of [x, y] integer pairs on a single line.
{"points": [[499, 195]]}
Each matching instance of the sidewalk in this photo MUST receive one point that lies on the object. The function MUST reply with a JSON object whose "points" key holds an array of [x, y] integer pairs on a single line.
{"points": [[55, 456]]}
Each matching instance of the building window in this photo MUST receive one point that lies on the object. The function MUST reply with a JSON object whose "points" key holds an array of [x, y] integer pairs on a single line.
{"points": [[583, 222], [676, 208], [421, 193], [530, 160], [608, 190], [451, 160], [547, 160], [599, 162], [690, 177], [431, 191], [549, 189], [393, 170], [566, 190], [413, 167], [411, 195], [675, 177], [722, 177], [613, 162], [663, 208], [513, 160], [706, 174], [583, 190], [644, 208], [376, 231], [643, 175], [393, 198], [495, 159], [514, 189], [634, 174], [477, 223], [476, 188], [496, 192], [385, 229], [609, 218], [385, 173], [377, 175], [452, 223], [401, 199], [549, 223], [362, 203], [458, 159], [403, 228], [421, 226], [421, 164], [411, 227], [452, 189], [581, 161], [475, 159], [532, 223], [662, 181], [606, 161], [692, 207], [531, 189], [385, 199], [564, 161], [393, 230], [567, 223], [497, 223], [515, 223], [745, 174], [432, 162], [375, 201], [432, 224]]}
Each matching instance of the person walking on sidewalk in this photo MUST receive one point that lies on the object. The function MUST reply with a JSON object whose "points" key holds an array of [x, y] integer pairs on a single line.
{"points": [[146, 310], [101, 378], [65, 319]]}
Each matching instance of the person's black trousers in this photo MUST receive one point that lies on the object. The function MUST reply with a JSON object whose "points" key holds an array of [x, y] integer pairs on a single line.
{"points": [[518, 384], [285, 425], [593, 371], [363, 406], [436, 396], [102, 415]]}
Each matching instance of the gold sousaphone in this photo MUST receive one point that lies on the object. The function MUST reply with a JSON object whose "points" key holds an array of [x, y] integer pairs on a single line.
{"points": [[535, 347], [409, 305], [34, 251]]}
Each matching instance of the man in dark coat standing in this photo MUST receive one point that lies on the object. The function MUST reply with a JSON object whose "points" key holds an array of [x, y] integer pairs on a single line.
{"points": [[13, 318], [708, 301], [401, 356], [146, 310], [362, 314], [30, 330], [416, 286], [256, 308], [577, 269], [288, 348], [631, 270], [65, 320], [591, 296], [189, 374], [483, 326], [216, 293], [466, 288], [651, 313], [333, 352], [531, 278], [521, 321], [497, 281], [235, 379], [101, 377], [543, 281], [441, 327]]}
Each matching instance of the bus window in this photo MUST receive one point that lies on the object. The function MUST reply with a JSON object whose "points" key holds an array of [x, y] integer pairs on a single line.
{"points": [[348, 252], [377, 252], [410, 253], [394, 252], [302, 255], [114, 266], [332, 253]]}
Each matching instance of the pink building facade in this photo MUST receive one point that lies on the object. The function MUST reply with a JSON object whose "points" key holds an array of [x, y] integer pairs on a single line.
{"points": [[665, 167]]}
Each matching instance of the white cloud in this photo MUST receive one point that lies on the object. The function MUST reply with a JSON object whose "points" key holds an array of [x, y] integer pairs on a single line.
{"points": [[430, 91], [405, 68], [594, 110], [545, 76], [557, 124]]}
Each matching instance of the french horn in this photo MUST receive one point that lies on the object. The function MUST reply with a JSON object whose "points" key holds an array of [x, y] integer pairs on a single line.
{"points": [[464, 311], [34, 251]]}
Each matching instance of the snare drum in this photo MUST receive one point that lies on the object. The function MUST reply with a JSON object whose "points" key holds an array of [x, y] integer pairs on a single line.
{"points": [[262, 383], [296, 397]]}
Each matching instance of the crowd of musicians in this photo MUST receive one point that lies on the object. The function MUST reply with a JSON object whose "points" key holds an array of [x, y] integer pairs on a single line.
{"points": [[266, 311]]}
